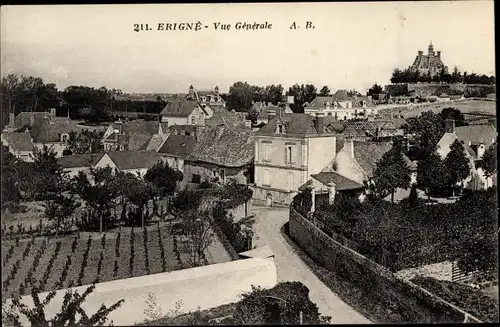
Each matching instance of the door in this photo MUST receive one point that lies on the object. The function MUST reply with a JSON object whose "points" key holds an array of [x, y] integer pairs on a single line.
{"points": [[269, 200]]}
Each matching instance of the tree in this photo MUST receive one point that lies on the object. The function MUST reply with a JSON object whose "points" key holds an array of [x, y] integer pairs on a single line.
{"points": [[164, 178], [375, 89], [85, 142], [325, 91], [457, 165], [11, 193], [240, 96], [51, 178], [455, 114], [353, 93], [428, 129], [432, 173], [199, 233], [99, 198], [286, 303], [59, 209], [489, 161], [67, 316], [392, 172]]}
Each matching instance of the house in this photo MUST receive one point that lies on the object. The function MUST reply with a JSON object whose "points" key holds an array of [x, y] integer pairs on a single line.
{"points": [[357, 161], [73, 164], [228, 119], [134, 135], [341, 106], [326, 185], [185, 112], [220, 154], [53, 132], [475, 139], [266, 110], [134, 162], [27, 119], [19, 145], [176, 148], [210, 98], [288, 150]]}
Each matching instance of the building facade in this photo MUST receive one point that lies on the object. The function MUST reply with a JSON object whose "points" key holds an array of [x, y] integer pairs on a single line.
{"points": [[288, 150], [341, 106]]}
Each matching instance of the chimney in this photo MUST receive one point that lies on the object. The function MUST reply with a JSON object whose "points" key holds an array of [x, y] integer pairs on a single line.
{"points": [[331, 193], [349, 146], [52, 114], [11, 119], [191, 92], [198, 132], [450, 126], [319, 123], [480, 149], [439, 54], [420, 53], [270, 114]]}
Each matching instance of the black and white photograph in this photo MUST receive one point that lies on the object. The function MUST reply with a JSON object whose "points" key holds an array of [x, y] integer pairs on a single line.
{"points": [[249, 163]]}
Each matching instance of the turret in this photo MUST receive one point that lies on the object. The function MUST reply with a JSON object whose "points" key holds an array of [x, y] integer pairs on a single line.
{"points": [[431, 49], [191, 92], [438, 54]]}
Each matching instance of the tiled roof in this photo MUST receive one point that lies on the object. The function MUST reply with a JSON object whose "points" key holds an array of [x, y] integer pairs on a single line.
{"points": [[341, 183], [24, 118], [295, 124], [19, 141], [79, 160], [178, 145], [179, 108], [138, 141], [476, 133], [179, 129], [51, 132], [218, 108], [367, 154], [224, 147], [155, 142], [134, 159]]}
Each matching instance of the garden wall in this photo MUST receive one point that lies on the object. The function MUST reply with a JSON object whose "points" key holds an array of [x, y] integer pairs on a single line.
{"points": [[204, 287], [241, 211], [413, 303]]}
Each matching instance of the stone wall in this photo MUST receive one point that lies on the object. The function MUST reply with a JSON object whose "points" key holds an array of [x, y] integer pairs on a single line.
{"points": [[279, 198], [411, 302], [197, 288], [429, 89]]}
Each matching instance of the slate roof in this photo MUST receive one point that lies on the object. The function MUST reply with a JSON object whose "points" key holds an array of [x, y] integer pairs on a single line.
{"points": [[155, 142], [341, 183], [178, 129], [79, 160], [24, 118], [137, 134], [474, 134], [19, 141], [217, 108], [178, 145], [228, 119], [51, 132], [224, 147], [134, 159], [367, 154], [179, 108], [295, 125], [264, 111]]}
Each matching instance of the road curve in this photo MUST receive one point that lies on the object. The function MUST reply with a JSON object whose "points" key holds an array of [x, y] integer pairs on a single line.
{"points": [[291, 268]]}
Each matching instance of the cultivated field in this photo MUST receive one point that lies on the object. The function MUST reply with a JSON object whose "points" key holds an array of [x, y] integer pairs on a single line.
{"points": [[83, 258], [465, 106]]}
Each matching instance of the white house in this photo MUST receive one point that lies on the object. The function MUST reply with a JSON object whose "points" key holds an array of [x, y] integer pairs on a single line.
{"points": [[186, 112]]}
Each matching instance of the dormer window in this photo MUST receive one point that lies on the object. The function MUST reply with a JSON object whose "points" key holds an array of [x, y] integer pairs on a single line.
{"points": [[280, 129], [64, 138]]}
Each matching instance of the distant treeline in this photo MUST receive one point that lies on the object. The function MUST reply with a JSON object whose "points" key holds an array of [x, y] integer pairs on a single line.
{"points": [[28, 93], [408, 76]]}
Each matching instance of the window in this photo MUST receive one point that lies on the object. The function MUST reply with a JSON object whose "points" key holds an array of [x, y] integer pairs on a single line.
{"points": [[196, 179], [280, 129], [122, 148], [193, 120], [267, 151], [222, 174], [64, 137], [288, 154], [266, 178]]}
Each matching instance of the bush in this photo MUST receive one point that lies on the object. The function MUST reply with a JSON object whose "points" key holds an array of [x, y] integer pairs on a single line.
{"points": [[465, 297]]}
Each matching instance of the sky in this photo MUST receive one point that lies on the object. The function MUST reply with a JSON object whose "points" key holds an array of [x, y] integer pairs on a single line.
{"points": [[352, 45]]}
